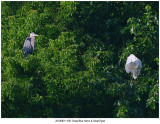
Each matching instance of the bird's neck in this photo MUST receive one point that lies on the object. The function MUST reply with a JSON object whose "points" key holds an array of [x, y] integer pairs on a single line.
{"points": [[33, 41]]}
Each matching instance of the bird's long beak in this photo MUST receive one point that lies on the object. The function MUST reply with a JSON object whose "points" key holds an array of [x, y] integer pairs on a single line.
{"points": [[35, 35]]}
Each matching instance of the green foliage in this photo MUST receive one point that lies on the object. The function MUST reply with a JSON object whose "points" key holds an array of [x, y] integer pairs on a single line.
{"points": [[77, 69]]}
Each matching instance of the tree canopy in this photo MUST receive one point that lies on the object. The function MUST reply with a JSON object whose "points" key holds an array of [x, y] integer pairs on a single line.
{"points": [[78, 66]]}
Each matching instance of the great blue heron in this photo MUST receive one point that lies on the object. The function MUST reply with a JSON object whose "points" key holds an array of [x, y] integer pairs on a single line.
{"points": [[29, 44], [133, 65]]}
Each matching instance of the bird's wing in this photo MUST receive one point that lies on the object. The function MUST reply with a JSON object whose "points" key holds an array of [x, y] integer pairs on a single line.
{"points": [[137, 69], [127, 66], [129, 60], [138, 63], [27, 43], [27, 47]]}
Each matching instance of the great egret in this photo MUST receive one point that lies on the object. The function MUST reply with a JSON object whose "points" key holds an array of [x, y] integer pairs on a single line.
{"points": [[133, 65]]}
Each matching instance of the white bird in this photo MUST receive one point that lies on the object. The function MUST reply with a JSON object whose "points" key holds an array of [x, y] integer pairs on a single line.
{"points": [[133, 65]]}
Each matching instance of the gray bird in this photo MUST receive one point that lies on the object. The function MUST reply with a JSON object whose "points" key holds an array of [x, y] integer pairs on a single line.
{"points": [[29, 44]]}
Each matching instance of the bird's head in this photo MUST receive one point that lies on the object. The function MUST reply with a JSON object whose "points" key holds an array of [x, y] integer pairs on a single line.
{"points": [[32, 34], [133, 57]]}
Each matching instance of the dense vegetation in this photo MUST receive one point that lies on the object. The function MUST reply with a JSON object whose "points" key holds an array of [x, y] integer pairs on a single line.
{"points": [[77, 69]]}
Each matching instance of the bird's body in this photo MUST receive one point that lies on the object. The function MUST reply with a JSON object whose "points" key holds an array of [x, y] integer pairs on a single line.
{"points": [[27, 47], [29, 44], [133, 65]]}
